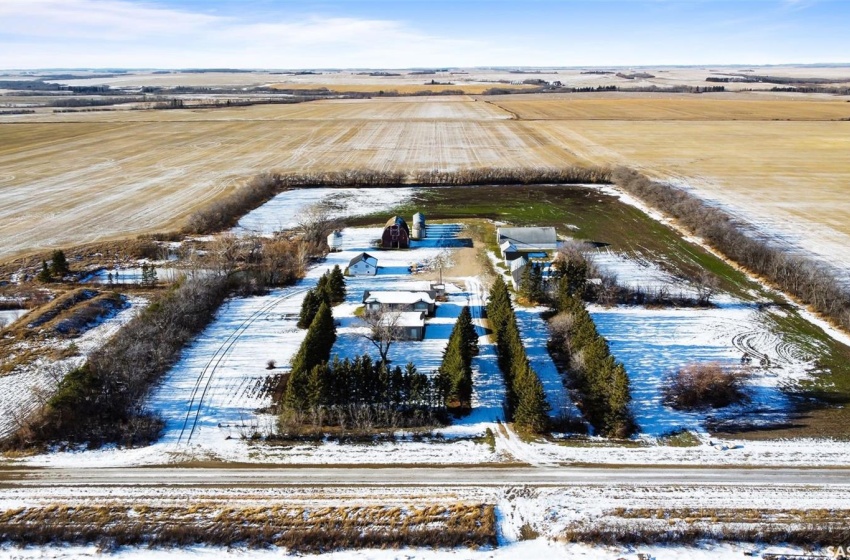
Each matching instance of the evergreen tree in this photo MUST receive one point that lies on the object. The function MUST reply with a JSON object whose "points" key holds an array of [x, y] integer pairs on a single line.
{"points": [[314, 350], [318, 386], [297, 390], [619, 421], [44, 274], [469, 334], [531, 283], [336, 285], [537, 292], [313, 299], [499, 306], [572, 278], [323, 288], [59, 264], [532, 410]]}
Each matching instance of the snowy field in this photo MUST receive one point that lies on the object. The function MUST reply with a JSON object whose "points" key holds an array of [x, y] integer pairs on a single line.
{"points": [[653, 343], [640, 274], [539, 548], [548, 511], [9, 316], [286, 209], [25, 388]]}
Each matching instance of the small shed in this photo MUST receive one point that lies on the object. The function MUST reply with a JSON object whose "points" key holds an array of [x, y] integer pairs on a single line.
{"points": [[396, 234], [363, 264], [418, 231], [335, 241]]}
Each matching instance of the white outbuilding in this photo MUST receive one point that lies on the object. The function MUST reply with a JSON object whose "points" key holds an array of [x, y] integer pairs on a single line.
{"points": [[335, 241], [363, 264]]}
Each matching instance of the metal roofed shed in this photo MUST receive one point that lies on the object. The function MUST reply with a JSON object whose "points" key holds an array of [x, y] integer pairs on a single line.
{"points": [[526, 239]]}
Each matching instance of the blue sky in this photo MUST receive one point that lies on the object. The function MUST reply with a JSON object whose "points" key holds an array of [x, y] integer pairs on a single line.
{"points": [[415, 33]]}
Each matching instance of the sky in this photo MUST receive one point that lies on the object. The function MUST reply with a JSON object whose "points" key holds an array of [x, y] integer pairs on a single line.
{"points": [[303, 34]]}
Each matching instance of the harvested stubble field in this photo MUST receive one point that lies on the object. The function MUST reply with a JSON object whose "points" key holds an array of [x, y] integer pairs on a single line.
{"points": [[403, 88], [71, 178]]}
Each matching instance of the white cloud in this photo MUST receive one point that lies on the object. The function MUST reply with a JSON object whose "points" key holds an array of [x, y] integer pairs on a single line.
{"points": [[78, 33]]}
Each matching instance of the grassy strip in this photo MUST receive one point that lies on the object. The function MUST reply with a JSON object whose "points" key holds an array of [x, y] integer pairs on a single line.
{"points": [[805, 279], [692, 530], [295, 528]]}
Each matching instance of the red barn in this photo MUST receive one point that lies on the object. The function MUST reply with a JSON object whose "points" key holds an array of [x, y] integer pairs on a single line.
{"points": [[396, 234]]}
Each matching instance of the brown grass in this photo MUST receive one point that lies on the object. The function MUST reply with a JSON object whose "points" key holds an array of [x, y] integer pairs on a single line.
{"points": [[687, 526], [303, 529]]}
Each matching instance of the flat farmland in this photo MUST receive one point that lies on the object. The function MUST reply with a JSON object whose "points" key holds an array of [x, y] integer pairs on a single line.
{"points": [[661, 107], [781, 164], [402, 87], [67, 178], [93, 176]]}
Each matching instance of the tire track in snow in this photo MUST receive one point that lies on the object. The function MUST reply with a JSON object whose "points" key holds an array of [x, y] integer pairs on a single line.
{"points": [[215, 361]]}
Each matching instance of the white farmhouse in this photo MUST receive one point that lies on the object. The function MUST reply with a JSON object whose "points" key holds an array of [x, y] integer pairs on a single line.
{"points": [[396, 301], [363, 264]]}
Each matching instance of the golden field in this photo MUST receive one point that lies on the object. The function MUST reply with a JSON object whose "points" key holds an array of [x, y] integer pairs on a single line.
{"points": [[402, 88], [74, 177]]}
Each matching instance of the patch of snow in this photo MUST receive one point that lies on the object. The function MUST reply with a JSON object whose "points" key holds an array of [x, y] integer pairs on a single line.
{"points": [[652, 343], [287, 209], [9, 316], [26, 388]]}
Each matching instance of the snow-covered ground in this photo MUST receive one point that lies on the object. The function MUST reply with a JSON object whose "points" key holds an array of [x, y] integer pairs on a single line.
{"points": [[131, 275], [547, 511], [652, 343], [9, 316], [636, 273], [287, 209], [25, 388], [213, 397], [538, 548]]}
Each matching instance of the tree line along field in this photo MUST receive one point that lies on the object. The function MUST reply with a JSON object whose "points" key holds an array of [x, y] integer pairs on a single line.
{"points": [[75, 177]]}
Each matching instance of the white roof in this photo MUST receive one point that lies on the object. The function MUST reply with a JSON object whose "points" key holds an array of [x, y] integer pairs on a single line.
{"points": [[516, 264], [507, 246], [528, 236], [404, 319], [398, 297]]}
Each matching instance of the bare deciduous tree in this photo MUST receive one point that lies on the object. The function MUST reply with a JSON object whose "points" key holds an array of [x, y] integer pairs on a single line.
{"points": [[706, 286], [383, 330]]}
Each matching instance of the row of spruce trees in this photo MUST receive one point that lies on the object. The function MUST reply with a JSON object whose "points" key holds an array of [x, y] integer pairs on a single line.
{"points": [[455, 374], [600, 381], [346, 390], [526, 404], [329, 290]]}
